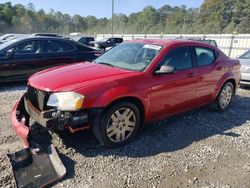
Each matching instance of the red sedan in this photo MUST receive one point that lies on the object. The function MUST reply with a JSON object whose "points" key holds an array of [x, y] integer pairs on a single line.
{"points": [[134, 83]]}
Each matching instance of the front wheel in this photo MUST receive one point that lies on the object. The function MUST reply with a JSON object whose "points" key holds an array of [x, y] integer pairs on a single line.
{"points": [[225, 96], [118, 125]]}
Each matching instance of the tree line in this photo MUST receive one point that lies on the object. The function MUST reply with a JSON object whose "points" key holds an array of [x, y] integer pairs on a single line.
{"points": [[213, 16]]}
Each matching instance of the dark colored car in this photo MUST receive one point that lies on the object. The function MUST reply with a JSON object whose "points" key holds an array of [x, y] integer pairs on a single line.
{"points": [[21, 57], [134, 83], [84, 40], [106, 43]]}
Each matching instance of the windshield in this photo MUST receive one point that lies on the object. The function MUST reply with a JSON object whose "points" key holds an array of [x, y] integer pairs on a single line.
{"points": [[131, 56], [246, 55]]}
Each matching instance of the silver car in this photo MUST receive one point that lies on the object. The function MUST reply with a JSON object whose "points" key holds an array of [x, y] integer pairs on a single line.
{"points": [[245, 68]]}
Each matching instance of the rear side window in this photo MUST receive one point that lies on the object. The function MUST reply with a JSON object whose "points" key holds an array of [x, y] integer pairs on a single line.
{"points": [[180, 58], [204, 56], [112, 40], [57, 46]]}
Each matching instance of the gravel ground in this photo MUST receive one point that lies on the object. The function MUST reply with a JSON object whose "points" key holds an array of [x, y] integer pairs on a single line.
{"points": [[200, 148]]}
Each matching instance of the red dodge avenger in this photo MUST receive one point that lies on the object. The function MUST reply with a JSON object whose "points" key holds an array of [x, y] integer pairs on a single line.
{"points": [[134, 83]]}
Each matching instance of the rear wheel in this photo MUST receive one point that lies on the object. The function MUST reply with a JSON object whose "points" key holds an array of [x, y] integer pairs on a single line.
{"points": [[225, 96], [117, 125]]}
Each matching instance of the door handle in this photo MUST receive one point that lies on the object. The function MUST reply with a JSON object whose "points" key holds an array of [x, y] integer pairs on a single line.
{"points": [[191, 75]]}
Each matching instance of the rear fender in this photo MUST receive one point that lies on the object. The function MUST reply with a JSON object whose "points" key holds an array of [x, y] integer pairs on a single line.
{"points": [[227, 76]]}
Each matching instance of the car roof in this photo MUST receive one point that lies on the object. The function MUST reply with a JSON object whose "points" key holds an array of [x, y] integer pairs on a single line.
{"points": [[40, 37], [166, 42], [30, 37]]}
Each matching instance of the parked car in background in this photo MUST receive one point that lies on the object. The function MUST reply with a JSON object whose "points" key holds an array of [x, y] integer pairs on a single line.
{"points": [[203, 40], [21, 57], [133, 83], [245, 68], [207, 41], [7, 37], [106, 42], [84, 40]]}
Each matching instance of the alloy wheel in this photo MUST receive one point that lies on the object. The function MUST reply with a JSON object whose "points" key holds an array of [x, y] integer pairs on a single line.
{"points": [[121, 124], [226, 96]]}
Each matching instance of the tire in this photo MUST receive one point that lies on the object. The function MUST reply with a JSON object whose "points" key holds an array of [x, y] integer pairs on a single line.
{"points": [[112, 129], [225, 96]]}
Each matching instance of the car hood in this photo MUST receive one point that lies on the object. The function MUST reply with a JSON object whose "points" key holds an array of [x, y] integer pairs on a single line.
{"points": [[79, 75], [245, 62]]}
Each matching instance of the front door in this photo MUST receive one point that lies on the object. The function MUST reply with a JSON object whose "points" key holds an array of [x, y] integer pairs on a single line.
{"points": [[172, 93], [20, 61], [57, 52]]}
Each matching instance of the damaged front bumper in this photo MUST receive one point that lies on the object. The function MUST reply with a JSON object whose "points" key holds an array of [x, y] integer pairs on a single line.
{"points": [[19, 122], [38, 164], [51, 119], [33, 167]]}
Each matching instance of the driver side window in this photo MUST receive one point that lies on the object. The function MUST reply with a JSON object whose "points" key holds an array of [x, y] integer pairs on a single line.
{"points": [[28, 47], [180, 58]]}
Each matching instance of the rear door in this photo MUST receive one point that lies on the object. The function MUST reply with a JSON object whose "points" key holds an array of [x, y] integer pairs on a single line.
{"points": [[208, 71], [58, 52]]}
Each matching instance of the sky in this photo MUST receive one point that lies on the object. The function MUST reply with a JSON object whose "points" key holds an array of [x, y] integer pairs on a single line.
{"points": [[102, 8]]}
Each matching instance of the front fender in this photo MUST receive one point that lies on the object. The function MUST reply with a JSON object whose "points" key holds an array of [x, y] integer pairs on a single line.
{"points": [[117, 93], [120, 92]]}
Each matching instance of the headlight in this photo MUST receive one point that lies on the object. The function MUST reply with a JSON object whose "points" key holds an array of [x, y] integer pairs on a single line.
{"points": [[66, 101]]}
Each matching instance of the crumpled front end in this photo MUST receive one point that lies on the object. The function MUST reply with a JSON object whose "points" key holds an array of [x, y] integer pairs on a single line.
{"points": [[36, 165]]}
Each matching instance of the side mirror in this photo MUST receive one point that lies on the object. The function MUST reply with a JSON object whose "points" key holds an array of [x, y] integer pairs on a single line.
{"points": [[10, 53], [166, 69]]}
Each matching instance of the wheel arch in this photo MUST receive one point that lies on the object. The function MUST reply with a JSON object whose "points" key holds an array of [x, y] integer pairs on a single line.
{"points": [[232, 80], [226, 78], [136, 101]]}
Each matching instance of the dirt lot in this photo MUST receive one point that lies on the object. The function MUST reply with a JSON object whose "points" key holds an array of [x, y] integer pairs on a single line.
{"points": [[201, 148]]}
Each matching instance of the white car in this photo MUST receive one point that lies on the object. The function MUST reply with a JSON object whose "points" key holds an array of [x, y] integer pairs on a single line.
{"points": [[245, 68], [7, 37]]}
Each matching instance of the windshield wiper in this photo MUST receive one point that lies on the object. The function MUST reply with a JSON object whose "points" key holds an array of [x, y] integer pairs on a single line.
{"points": [[104, 63]]}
